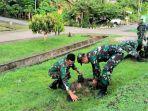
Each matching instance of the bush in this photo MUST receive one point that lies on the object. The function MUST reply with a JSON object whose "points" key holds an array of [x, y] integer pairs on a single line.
{"points": [[144, 8], [57, 21], [133, 17], [45, 7], [47, 23]]}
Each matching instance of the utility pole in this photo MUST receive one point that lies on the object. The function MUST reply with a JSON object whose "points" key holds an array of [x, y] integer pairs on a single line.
{"points": [[139, 8], [35, 4]]}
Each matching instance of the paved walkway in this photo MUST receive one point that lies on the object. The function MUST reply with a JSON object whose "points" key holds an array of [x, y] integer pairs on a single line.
{"points": [[21, 22], [20, 35], [122, 31]]}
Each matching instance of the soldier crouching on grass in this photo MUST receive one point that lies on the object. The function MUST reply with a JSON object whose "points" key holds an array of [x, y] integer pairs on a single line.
{"points": [[60, 73], [112, 55]]}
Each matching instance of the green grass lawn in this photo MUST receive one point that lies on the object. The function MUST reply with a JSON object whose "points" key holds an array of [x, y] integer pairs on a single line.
{"points": [[5, 26], [16, 50], [26, 89]]}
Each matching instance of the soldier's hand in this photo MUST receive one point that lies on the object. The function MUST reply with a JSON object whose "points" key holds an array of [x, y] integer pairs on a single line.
{"points": [[73, 96], [94, 82]]}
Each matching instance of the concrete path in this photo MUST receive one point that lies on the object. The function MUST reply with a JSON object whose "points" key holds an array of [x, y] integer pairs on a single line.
{"points": [[20, 35], [21, 22]]}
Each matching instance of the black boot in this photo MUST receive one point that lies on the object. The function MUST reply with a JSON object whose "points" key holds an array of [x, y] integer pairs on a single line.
{"points": [[103, 87], [146, 51], [54, 84], [61, 85], [140, 59], [128, 56], [80, 79], [102, 91]]}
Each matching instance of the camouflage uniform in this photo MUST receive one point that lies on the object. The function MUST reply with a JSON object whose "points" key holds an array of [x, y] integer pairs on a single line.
{"points": [[145, 42], [60, 71], [141, 33], [130, 48], [111, 54]]}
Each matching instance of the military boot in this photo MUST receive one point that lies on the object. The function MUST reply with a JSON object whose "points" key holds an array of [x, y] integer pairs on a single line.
{"points": [[146, 51], [80, 79], [102, 88], [102, 91], [140, 59], [61, 85], [54, 84]]}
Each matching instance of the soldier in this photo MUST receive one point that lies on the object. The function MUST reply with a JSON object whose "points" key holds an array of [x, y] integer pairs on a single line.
{"points": [[111, 54], [142, 39], [60, 72], [141, 33], [145, 42]]}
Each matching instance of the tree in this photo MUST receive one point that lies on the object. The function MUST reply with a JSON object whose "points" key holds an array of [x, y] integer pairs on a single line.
{"points": [[41, 24], [48, 23], [94, 11], [46, 6], [13, 10], [144, 8], [2, 6], [28, 7], [57, 21], [135, 6], [17, 8]]}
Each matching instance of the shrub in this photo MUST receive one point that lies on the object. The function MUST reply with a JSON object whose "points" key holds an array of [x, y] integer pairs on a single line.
{"points": [[47, 23], [57, 21]]}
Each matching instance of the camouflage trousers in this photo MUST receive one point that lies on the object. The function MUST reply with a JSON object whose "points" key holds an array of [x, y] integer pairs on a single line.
{"points": [[139, 41], [108, 68], [130, 48], [146, 51], [132, 51], [143, 47]]}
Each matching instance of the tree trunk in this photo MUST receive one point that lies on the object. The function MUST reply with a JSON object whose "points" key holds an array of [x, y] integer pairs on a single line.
{"points": [[55, 32], [58, 32], [29, 15], [45, 36]]}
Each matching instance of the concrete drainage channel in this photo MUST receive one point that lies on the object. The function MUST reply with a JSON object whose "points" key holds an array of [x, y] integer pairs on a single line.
{"points": [[36, 59]]}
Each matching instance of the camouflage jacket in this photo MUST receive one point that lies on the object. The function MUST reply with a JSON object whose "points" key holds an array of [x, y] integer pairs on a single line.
{"points": [[101, 54], [62, 70], [141, 31]]}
